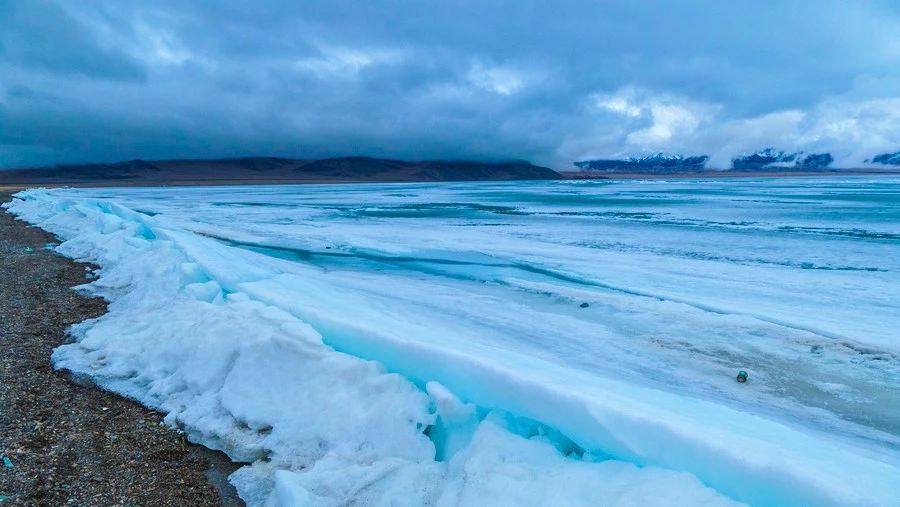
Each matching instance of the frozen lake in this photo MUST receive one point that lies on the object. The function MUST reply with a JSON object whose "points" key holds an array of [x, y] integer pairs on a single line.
{"points": [[634, 302]]}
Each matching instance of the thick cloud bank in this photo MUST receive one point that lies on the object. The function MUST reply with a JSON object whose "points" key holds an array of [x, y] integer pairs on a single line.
{"points": [[552, 82]]}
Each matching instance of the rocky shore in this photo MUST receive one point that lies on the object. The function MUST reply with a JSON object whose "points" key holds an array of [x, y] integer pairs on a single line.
{"points": [[66, 443]]}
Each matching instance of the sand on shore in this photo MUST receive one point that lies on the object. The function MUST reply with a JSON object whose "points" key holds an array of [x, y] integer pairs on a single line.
{"points": [[68, 442]]}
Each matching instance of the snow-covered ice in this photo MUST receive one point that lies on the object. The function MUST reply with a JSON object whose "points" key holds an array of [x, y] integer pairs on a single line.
{"points": [[416, 344]]}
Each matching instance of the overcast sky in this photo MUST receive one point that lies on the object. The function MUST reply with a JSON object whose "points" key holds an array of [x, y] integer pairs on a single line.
{"points": [[549, 82]]}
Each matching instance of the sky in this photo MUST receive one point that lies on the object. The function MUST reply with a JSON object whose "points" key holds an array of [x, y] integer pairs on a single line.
{"points": [[550, 82]]}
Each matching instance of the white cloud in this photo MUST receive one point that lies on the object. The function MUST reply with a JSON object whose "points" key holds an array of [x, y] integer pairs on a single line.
{"points": [[648, 122], [162, 49], [617, 104], [669, 121], [722, 142], [336, 61], [500, 80], [852, 130]]}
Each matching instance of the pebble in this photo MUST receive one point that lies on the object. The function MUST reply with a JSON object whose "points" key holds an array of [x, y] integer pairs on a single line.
{"points": [[68, 443]]}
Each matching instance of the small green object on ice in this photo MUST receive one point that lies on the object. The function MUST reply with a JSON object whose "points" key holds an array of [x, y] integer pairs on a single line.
{"points": [[7, 462], [28, 249], [742, 376]]}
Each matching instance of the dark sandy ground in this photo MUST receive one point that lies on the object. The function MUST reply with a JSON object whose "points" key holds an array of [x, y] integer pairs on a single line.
{"points": [[73, 444]]}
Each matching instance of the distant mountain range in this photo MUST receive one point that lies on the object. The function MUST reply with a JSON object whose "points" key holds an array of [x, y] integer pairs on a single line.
{"points": [[277, 170], [769, 160], [368, 169], [657, 162], [887, 159]]}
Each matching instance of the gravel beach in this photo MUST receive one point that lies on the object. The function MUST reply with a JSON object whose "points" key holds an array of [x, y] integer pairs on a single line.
{"points": [[64, 443]]}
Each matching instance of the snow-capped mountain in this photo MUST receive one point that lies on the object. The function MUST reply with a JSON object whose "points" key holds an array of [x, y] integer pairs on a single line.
{"points": [[772, 158], [658, 161], [887, 159]]}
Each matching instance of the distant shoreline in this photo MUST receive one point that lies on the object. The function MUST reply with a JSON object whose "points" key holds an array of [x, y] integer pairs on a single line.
{"points": [[567, 176], [269, 170], [282, 171], [178, 183], [715, 174]]}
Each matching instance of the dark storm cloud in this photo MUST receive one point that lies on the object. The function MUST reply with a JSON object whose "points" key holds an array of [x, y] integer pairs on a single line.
{"points": [[41, 36], [548, 81]]}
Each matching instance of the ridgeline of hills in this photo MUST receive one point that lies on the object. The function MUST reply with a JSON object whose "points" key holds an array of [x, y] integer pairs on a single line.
{"points": [[887, 159], [657, 162], [767, 160], [368, 169], [275, 170], [772, 158]]}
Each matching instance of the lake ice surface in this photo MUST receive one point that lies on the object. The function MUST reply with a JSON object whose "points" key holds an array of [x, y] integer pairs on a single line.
{"points": [[609, 318]]}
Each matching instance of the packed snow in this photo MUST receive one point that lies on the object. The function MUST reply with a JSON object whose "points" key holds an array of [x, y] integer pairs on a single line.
{"points": [[551, 343]]}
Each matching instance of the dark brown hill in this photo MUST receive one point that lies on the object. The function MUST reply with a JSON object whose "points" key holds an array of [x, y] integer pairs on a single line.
{"points": [[276, 170]]}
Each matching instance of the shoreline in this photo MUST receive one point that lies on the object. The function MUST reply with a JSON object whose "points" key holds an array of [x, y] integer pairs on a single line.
{"points": [[69, 442], [718, 175], [567, 176]]}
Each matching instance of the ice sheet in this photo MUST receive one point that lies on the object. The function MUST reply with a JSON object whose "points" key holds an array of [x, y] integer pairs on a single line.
{"points": [[480, 287]]}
